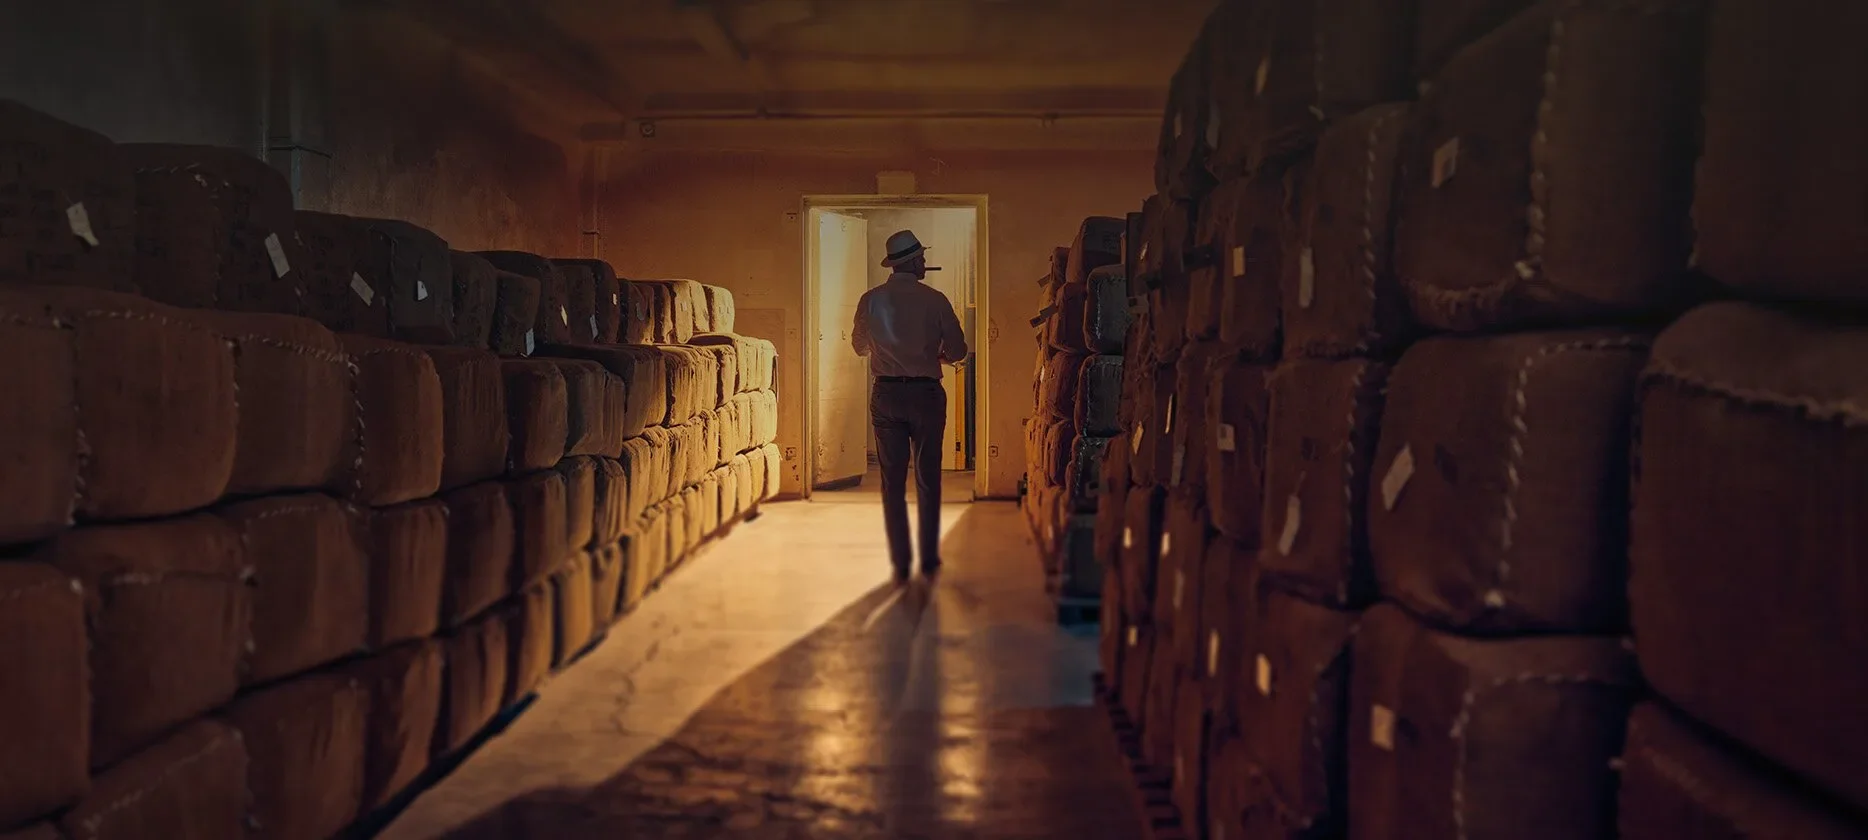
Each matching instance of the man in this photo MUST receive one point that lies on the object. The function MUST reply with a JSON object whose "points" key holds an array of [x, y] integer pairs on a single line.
{"points": [[907, 330]]}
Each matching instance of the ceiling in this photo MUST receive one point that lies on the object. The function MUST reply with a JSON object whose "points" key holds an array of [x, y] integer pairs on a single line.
{"points": [[934, 65]]}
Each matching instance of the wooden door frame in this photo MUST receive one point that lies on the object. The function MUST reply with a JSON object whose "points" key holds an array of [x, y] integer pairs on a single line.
{"points": [[982, 284]]}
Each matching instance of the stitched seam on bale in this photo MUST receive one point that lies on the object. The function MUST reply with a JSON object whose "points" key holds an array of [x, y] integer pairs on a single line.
{"points": [[1349, 485], [1848, 413], [1464, 719], [96, 821], [1315, 722], [57, 583], [126, 579], [1520, 429], [1695, 787], [356, 397], [1373, 333]]}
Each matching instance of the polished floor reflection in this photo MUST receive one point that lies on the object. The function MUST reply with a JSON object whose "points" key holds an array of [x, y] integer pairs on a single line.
{"points": [[778, 688]]}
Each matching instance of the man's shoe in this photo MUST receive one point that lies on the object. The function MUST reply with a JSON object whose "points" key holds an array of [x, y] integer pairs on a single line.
{"points": [[930, 570], [901, 577]]}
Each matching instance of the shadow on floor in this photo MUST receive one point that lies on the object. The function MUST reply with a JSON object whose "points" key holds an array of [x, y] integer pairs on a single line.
{"points": [[887, 722]]}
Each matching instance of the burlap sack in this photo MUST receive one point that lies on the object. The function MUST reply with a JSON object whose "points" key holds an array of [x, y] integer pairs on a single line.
{"points": [[693, 380], [1064, 325], [1111, 626], [1187, 458], [408, 556], [1187, 773], [1677, 783], [1059, 447], [1238, 36], [722, 313], [474, 417], [1207, 271], [1137, 669], [1232, 600], [418, 280], [41, 450], [1495, 739], [1238, 413], [515, 311], [1112, 505], [580, 501], [45, 731], [611, 502], [1180, 573], [582, 293], [402, 439], [1444, 27], [73, 199], [679, 308], [405, 687], [1165, 273], [476, 299], [774, 472], [615, 412], [297, 401], [1501, 478], [532, 630], [539, 515], [644, 370], [537, 413], [1141, 545], [169, 610], [727, 367], [1057, 398], [474, 681], [191, 784], [1324, 60], [1251, 253], [637, 462], [607, 571], [1099, 395], [586, 426], [306, 744], [1325, 419], [1083, 473], [573, 591], [1151, 439], [311, 582], [1106, 316], [480, 546], [649, 317], [254, 257], [1514, 210], [747, 355], [1098, 243], [1294, 713], [1748, 466], [1162, 705], [1338, 287], [636, 562], [1231, 786], [1180, 163], [765, 419], [750, 470], [338, 292], [552, 324]]}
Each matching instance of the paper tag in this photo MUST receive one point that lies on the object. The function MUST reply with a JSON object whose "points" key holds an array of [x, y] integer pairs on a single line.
{"points": [[1167, 544], [1238, 261], [1396, 479], [1135, 440], [80, 221], [1177, 125], [1180, 464], [277, 251], [593, 326], [1264, 675], [1044, 373], [1128, 537], [1264, 75], [1168, 427], [1143, 256], [529, 345], [1445, 162], [362, 288], [1293, 518], [421, 290], [1180, 588], [616, 299], [1382, 727], [1306, 278], [564, 315], [1212, 653], [1133, 636], [1228, 438]]}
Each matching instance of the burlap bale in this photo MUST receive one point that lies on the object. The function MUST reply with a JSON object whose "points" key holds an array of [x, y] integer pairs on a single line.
{"points": [[580, 501], [1180, 574], [45, 731], [679, 452], [1151, 439], [611, 502], [191, 784], [1238, 414], [1230, 786], [515, 312], [1238, 36], [476, 299], [1324, 60], [1112, 505], [1110, 624], [1339, 290], [297, 402], [169, 609], [338, 292], [648, 310], [1059, 439], [637, 463], [774, 472], [750, 476], [580, 285], [477, 656], [1188, 768], [1294, 718], [1501, 482], [1209, 269], [1057, 383], [681, 305], [539, 516], [403, 424], [1134, 241], [1444, 27], [1777, 208], [607, 570], [473, 414], [70, 200], [1252, 255], [1165, 281], [726, 364], [418, 279], [1232, 599], [765, 419], [1492, 739], [481, 544], [532, 629], [690, 536], [722, 312], [1675, 782], [1106, 317], [150, 391], [1746, 503], [1083, 474], [1064, 325], [408, 569], [1142, 527], [404, 686], [257, 259], [1514, 211], [1162, 704], [573, 589], [537, 413], [306, 741], [1180, 162], [705, 508], [636, 565], [311, 570], [712, 446], [644, 370], [1098, 243], [553, 322], [1320, 447], [615, 412], [1137, 669], [586, 426], [1192, 440], [749, 355], [691, 377], [765, 367]]}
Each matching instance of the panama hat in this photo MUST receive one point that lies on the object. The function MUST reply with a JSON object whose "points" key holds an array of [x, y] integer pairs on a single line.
{"points": [[903, 246]]}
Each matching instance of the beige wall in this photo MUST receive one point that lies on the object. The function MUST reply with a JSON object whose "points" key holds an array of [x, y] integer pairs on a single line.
{"points": [[735, 219]]}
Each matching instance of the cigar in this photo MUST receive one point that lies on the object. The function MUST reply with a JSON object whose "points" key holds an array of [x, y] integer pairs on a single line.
{"points": [[933, 268]]}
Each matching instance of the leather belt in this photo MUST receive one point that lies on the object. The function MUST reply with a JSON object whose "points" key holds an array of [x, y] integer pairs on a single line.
{"points": [[899, 379]]}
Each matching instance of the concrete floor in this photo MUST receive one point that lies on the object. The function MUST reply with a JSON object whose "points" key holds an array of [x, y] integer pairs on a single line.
{"points": [[777, 687]]}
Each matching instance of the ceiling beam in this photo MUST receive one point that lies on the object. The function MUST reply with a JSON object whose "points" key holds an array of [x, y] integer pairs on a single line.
{"points": [[1037, 103], [709, 29]]}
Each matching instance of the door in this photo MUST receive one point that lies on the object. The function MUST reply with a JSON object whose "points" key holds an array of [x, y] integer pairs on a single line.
{"points": [[842, 402]]}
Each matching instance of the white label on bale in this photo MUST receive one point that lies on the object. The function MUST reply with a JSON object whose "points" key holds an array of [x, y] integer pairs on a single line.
{"points": [[1306, 278], [1180, 588], [1382, 727], [1238, 261], [529, 344], [1143, 256], [1212, 653], [277, 251], [421, 290], [1135, 440], [593, 326], [1044, 373], [1228, 438], [1128, 537], [80, 221], [1168, 427], [1445, 162], [1293, 519], [616, 299], [1264, 675], [1134, 636], [1177, 125], [1396, 479], [362, 288], [1167, 543], [1264, 75], [564, 315], [1180, 465]]}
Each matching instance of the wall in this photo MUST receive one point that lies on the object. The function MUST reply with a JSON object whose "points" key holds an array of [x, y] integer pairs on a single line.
{"points": [[733, 219]]}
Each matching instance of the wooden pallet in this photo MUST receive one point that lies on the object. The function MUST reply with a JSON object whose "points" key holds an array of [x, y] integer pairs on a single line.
{"points": [[1154, 786], [1075, 612]]}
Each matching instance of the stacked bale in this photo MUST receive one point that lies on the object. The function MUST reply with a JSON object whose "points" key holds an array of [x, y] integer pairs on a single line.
{"points": [[266, 568]]}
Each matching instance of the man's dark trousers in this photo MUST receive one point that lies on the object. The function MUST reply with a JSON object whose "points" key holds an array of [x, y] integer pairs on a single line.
{"points": [[910, 416]]}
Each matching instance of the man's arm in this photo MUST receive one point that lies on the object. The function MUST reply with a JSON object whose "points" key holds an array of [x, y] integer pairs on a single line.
{"points": [[952, 337], [859, 334]]}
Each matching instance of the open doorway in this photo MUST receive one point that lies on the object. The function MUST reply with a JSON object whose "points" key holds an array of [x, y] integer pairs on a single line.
{"points": [[845, 244]]}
